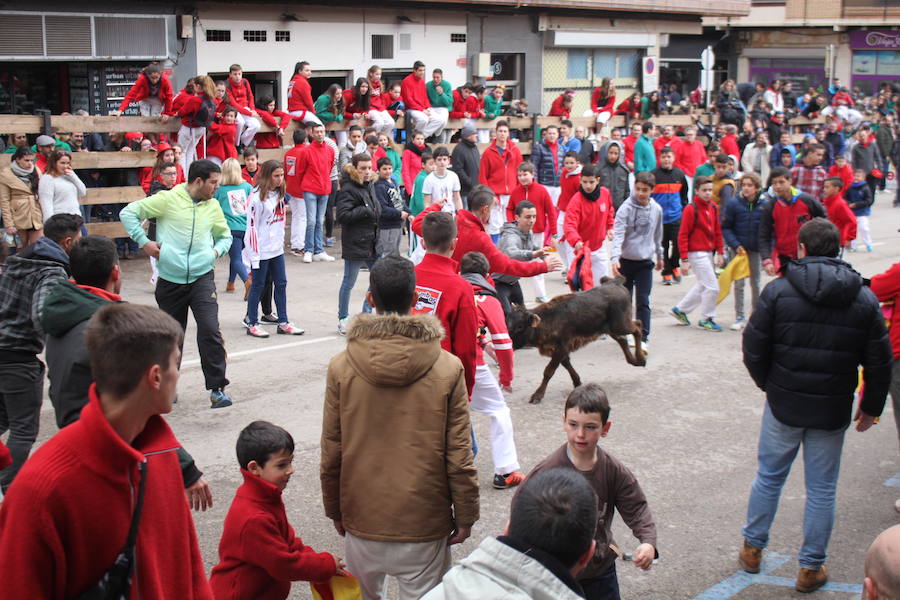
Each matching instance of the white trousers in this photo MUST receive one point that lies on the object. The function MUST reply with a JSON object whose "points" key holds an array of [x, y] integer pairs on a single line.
{"points": [[247, 128], [150, 107], [498, 214], [562, 246], [428, 125], [487, 399], [706, 291], [863, 233], [188, 138], [309, 117], [298, 223], [537, 282], [554, 191], [602, 117], [417, 566], [382, 121], [845, 113], [484, 136], [599, 264]]}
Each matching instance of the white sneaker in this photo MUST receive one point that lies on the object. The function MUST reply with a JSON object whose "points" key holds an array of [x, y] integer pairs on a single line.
{"points": [[322, 257], [645, 347], [342, 325], [738, 324], [307, 257]]}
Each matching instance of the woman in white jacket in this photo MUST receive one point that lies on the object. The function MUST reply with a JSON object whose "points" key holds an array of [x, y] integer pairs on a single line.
{"points": [[60, 189], [264, 247]]}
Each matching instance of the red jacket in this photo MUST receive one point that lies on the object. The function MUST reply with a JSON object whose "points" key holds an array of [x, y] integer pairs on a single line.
{"points": [[492, 320], [446, 295], [145, 176], [629, 143], [569, 184], [413, 92], [689, 156], [461, 106], [293, 177], [5, 456], [178, 101], [240, 96], [625, 108], [887, 287], [839, 213], [661, 142], [498, 171], [314, 168], [269, 139], [377, 96], [259, 554], [700, 229], [189, 108], [300, 95], [557, 109], [540, 197], [846, 175], [141, 91], [222, 143], [471, 237], [589, 221], [410, 167], [67, 517], [729, 146], [350, 105], [607, 105], [842, 97]]}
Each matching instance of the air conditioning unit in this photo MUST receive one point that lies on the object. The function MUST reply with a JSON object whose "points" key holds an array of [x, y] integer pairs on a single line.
{"points": [[481, 65]]}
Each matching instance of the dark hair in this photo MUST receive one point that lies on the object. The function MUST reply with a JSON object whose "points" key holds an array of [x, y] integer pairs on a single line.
{"points": [[353, 128], [549, 127], [259, 440], [820, 237], [360, 157], [20, 152], [645, 177], [124, 340], [251, 150], [779, 172], [713, 147], [202, 169], [589, 398], [384, 160], [235, 67], [590, 171], [501, 123], [152, 68], [229, 109], [263, 102], [438, 231], [522, 206], [648, 125], [265, 186], [721, 159], [299, 67], [567, 123], [572, 154], [702, 180], [556, 512], [92, 259], [363, 100], [815, 146], [666, 150], [299, 136], [440, 151], [418, 64], [426, 156], [166, 165], [474, 262], [480, 196], [527, 165], [436, 71], [392, 280], [54, 158], [835, 181], [371, 140], [62, 225]]}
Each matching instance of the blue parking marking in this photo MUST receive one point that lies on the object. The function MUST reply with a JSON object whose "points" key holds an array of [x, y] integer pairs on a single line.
{"points": [[893, 481]]}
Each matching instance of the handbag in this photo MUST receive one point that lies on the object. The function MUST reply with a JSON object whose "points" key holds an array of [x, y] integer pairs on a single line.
{"points": [[115, 584]]}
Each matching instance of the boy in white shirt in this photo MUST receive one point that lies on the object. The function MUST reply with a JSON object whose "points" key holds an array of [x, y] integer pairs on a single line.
{"points": [[442, 184]]}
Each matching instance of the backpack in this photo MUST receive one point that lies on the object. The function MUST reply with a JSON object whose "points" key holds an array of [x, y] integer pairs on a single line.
{"points": [[205, 114]]}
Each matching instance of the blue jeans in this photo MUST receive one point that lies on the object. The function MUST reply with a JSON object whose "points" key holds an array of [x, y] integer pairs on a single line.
{"points": [[236, 266], [276, 265], [778, 446], [639, 280], [351, 271], [315, 221], [604, 586]]}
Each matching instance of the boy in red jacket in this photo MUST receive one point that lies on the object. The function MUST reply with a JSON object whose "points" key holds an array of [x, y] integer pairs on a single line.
{"points": [[543, 233], [221, 143], [589, 221], [700, 240], [293, 180], [487, 397], [240, 96], [569, 184], [839, 212], [841, 168], [259, 554]]}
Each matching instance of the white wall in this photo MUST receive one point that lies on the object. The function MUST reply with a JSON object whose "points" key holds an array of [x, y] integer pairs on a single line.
{"points": [[330, 39]]}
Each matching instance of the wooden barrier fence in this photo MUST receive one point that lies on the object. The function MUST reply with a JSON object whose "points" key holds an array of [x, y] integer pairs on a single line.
{"points": [[132, 160]]}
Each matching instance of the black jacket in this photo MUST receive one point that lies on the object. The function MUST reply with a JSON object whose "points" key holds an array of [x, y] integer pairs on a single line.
{"points": [[808, 335], [465, 162], [358, 212]]}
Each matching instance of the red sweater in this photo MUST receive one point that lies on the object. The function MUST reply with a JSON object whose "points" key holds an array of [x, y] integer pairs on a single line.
{"points": [[839, 213], [5, 456], [259, 554], [189, 108], [240, 96], [540, 197], [569, 184], [689, 156], [141, 91], [589, 221], [410, 167], [351, 106], [413, 92], [67, 517], [607, 103], [269, 139], [729, 146], [700, 229], [449, 297], [222, 143], [661, 142], [846, 175], [293, 177], [558, 109], [492, 320], [498, 171], [887, 287], [377, 96], [300, 95], [460, 106], [313, 167], [145, 176], [471, 237], [629, 143]]}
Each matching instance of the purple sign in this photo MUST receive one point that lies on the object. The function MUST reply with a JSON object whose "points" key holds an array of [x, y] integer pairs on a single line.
{"points": [[884, 39]]}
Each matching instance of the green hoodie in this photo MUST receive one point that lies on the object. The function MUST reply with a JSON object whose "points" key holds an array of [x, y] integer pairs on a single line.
{"points": [[493, 108], [442, 98], [323, 110], [417, 202], [188, 232]]}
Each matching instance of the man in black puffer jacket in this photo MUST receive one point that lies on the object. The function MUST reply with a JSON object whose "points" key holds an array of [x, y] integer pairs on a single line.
{"points": [[358, 211], [811, 331]]}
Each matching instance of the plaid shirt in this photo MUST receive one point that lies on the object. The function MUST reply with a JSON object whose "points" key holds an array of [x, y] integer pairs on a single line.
{"points": [[810, 180]]}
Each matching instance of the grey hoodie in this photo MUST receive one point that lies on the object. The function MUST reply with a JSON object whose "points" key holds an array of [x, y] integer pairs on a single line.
{"points": [[517, 245], [637, 233]]}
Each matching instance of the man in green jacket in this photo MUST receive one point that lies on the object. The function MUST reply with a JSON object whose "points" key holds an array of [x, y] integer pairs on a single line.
{"points": [[644, 155], [440, 94], [191, 234]]}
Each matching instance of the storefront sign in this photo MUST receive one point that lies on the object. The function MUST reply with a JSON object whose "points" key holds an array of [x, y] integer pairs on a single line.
{"points": [[875, 40]]}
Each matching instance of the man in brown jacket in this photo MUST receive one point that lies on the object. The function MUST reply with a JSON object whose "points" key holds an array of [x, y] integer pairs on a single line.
{"points": [[396, 471]]}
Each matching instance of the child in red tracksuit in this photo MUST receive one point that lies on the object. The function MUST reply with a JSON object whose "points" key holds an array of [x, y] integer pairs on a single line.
{"points": [[569, 184], [589, 221], [841, 168], [274, 118], [543, 233], [700, 240], [221, 144], [487, 397], [259, 553], [838, 211]]}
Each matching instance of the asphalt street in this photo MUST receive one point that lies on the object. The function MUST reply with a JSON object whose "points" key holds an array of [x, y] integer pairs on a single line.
{"points": [[686, 425]]}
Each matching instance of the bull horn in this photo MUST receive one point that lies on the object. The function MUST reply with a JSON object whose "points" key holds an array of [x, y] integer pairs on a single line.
{"points": [[535, 320]]}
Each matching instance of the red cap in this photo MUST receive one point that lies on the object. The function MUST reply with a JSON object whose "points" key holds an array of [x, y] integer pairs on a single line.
{"points": [[162, 147], [134, 136]]}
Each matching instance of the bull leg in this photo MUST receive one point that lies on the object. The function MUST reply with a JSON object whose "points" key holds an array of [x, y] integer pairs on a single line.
{"points": [[576, 380], [538, 394], [638, 359]]}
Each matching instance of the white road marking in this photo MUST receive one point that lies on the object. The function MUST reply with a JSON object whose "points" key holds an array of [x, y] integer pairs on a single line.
{"points": [[196, 361]]}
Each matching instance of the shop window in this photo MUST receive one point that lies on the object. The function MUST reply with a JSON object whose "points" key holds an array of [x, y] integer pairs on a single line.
{"points": [[218, 35], [382, 46], [405, 42], [629, 66], [254, 35], [457, 38], [577, 63], [604, 63], [282, 36], [618, 64]]}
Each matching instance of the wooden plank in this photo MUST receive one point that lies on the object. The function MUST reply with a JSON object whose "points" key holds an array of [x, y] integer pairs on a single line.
{"points": [[20, 124], [109, 124], [113, 229], [112, 160], [114, 195]]}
